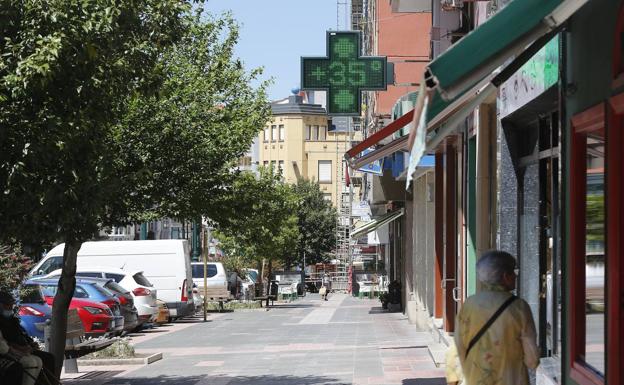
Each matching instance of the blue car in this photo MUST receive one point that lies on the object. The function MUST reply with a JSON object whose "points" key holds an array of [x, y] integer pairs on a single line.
{"points": [[33, 309]]}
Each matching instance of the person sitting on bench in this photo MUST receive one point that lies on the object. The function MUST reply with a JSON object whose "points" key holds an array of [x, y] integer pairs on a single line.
{"points": [[21, 347], [10, 369]]}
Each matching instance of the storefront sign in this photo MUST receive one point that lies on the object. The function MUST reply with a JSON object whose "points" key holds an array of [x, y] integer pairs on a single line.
{"points": [[531, 80], [343, 73]]}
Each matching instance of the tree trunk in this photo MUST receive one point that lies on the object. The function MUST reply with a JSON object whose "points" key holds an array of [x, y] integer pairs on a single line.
{"points": [[269, 281], [64, 294]]}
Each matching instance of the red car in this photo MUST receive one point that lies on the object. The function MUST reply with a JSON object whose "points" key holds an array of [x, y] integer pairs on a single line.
{"points": [[96, 317]]}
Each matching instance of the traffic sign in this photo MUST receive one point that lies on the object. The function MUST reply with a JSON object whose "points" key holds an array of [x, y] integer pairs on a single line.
{"points": [[343, 73]]}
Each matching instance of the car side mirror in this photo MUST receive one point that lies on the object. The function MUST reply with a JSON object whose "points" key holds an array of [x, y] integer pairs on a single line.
{"points": [[40, 272]]}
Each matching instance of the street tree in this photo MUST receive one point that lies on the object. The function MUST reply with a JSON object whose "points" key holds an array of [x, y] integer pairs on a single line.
{"points": [[180, 144], [316, 219], [260, 217], [67, 69]]}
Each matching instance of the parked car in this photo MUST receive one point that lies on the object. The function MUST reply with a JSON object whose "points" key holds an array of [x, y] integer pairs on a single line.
{"points": [[91, 291], [126, 301], [142, 291], [248, 286], [96, 317], [216, 275], [32, 309], [166, 263]]}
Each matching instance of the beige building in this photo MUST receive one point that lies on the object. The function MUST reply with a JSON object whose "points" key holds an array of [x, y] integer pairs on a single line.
{"points": [[300, 142]]}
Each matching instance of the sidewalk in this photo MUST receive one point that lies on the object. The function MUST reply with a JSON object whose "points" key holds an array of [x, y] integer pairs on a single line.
{"points": [[340, 341]]}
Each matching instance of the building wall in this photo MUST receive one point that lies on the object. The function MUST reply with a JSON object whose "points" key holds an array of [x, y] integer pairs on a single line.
{"points": [[300, 156], [401, 37], [420, 304]]}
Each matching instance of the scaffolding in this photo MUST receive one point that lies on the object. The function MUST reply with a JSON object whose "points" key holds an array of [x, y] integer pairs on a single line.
{"points": [[343, 196]]}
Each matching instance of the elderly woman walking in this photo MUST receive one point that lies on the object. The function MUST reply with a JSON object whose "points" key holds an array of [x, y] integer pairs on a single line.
{"points": [[495, 333]]}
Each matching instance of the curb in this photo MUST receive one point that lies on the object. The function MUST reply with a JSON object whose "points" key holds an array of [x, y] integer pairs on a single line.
{"points": [[122, 361]]}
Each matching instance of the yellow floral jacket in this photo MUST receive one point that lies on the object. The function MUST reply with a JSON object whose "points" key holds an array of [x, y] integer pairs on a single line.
{"points": [[503, 354]]}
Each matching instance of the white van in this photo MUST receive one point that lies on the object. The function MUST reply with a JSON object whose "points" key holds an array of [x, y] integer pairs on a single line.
{"points": [[165, 263]]}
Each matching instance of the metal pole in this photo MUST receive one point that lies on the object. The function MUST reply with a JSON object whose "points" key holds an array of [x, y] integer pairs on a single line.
{"points": [[205, 254]]}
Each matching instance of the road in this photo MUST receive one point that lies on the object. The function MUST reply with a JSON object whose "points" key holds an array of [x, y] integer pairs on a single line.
{"points": [[340, 341]]}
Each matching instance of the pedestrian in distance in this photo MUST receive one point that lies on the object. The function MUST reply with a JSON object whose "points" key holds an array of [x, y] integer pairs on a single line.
{"points": [[495, 332], [323, 292]]}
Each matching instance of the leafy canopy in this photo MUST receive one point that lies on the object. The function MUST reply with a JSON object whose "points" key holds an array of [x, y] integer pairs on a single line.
{"points": [[179, 144]]}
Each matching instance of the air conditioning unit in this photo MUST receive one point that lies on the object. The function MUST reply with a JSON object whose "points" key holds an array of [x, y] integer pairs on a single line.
{"points": [[452, 4]]}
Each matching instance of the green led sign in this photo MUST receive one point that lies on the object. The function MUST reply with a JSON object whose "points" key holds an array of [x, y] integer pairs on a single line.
{"points": [[343, 73]]}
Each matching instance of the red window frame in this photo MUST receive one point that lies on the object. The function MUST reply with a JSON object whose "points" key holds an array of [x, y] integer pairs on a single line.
{"points": [[608, 117]]}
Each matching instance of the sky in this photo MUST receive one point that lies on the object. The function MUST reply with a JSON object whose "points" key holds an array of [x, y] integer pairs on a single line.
{"points": [[276, 33]]}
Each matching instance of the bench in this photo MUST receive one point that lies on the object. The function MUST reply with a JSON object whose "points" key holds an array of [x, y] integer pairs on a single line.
{"points": [[214, 294], [76, 345], [269, 297]]}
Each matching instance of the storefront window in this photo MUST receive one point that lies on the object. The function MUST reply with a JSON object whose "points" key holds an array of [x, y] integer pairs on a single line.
{"points": [[595, 254]]}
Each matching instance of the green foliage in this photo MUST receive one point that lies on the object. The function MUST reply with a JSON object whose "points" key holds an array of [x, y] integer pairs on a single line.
{"points": [[14, 267], [595, 218], [119, 349], [259, 217], [179, 144], [66, 71], [317, 223]]}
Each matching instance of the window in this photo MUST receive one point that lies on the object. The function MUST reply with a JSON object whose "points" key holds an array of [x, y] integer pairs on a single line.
{"points": [[282, 133], [307, 129], [88, 275], [140, 279], [116, 277], [327, 197], [280, 165], [273, 133], [266, 134], [50, 265], [265, 163], [596, 230], [324, 171], [315, 133], [79, 292], [321, 133], [198, 270]]}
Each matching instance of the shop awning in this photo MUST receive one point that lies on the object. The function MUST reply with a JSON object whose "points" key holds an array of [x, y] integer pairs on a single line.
{"points": [[376, 223], [506, 34], [472, 69], [375, 138]]}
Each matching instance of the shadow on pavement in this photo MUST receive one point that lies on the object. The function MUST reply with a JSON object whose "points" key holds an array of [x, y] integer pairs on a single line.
{"points": [[405, 347], [220, 379], [291, 306], [424, 381]]}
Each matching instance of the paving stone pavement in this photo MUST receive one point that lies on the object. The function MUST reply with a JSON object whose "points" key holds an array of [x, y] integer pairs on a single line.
{"points": [[343, 340]]}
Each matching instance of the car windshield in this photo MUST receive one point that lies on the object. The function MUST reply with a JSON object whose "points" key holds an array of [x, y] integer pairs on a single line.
{"points": [[140, 279], [102, 290], [30, 294], [253, 275], [198, 270]]}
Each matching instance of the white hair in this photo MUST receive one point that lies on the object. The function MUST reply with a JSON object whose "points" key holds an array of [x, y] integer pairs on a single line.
{"points": [[493, 264]]}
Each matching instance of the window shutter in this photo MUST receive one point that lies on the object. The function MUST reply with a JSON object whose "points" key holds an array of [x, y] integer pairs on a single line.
{"points": [[324, 171]]}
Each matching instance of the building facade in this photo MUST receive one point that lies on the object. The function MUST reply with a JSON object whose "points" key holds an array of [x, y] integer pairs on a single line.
{"points": [[301, 143], [527, 138]]}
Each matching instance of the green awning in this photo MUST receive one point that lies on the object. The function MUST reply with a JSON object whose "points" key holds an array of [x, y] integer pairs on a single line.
{"points": [[376, 223], [504, 35]]}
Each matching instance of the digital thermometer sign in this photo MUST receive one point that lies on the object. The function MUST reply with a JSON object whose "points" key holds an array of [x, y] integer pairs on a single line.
{"points": [[343, 73]]}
